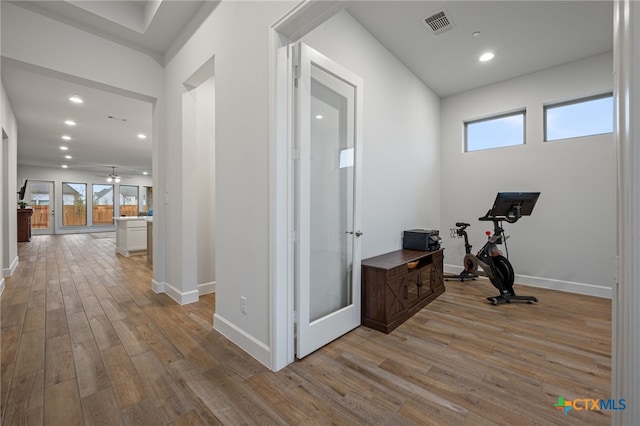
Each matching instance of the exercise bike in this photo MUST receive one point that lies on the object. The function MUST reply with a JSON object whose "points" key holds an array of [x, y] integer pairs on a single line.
{"points": [[509, 207]]}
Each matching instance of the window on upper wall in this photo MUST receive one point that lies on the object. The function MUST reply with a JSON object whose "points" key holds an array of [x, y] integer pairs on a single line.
{"points": [[495, 132], [582, 117]]}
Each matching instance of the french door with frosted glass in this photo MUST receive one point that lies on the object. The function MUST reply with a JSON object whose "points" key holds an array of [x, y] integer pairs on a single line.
{"points": [[40, 196], [327, 192]]}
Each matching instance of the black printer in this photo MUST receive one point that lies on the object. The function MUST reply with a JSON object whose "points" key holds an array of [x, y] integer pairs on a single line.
{"points": [[421, 239]]}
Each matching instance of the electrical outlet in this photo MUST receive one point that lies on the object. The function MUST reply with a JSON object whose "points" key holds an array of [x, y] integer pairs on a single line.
{"points": [[243, 304]]}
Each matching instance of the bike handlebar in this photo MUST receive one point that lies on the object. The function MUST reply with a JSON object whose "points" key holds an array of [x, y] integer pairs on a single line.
{"points": [[512, 216]]}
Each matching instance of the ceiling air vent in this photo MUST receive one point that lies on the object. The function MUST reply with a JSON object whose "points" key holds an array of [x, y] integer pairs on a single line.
{"points": [[439, 23]]}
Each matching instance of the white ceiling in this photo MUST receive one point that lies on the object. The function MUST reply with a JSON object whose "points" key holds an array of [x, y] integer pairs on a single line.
{"points": [[41, 105], [526, 36], [155, 27]]}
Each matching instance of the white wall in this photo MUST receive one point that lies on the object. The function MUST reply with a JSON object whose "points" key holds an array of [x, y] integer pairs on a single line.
{"points": [[401, 150], [568, 242], [237, 35], [59, 175], [8, 189]]}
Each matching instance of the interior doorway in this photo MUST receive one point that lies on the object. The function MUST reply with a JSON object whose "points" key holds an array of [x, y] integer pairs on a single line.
{"points": [[198, 157], [290, 29]]}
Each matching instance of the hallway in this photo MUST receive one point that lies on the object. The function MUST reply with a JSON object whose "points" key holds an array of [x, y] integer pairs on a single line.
{"points": [[85, 341], [81, 339]]}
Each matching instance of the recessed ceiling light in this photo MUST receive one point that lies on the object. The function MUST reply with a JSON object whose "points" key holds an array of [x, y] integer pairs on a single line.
{"points": [[476, 34], [486, 57], [319, 117], [76, 99], [145, 173], [64, 166], [142, 136], [66, 137], [64, 148], [68, 157], [70, 123]]}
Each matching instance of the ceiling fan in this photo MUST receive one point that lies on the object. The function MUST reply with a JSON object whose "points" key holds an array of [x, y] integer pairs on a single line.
{"points": [[112, 177]]}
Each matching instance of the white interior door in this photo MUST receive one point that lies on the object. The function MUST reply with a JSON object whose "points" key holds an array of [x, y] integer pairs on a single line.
{"points": [[329, 107], [40, 196]]}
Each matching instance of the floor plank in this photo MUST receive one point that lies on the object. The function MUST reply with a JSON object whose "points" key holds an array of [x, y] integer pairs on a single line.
{"points": [[62, 404], [59, 365], [127, 384], [101, 408]]}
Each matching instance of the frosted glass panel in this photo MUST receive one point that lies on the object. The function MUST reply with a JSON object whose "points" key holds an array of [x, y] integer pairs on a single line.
{"points": [[331, 177]]}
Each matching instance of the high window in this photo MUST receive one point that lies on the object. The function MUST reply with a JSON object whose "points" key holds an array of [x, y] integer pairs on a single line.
{"points": [[74, 204], [577, 118], [495, 132]]}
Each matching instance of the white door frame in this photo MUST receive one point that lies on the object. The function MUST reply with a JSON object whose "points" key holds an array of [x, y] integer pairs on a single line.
{"points": [[626, 283], [298, 22]]}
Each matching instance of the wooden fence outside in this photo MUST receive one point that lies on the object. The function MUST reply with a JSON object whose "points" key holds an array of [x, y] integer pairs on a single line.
{"points": [[74, 215], [77, 216], [102, 215], [129, 210], [40, 217]]}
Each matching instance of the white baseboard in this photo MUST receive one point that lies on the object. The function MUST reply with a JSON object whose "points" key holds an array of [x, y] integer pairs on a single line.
{"points": [[240, 338], [207, 288], [1, 286], [568, 286], [158, 287], [552, 284], [7, 272], [84, 230], [180, 297], [174, 293]]}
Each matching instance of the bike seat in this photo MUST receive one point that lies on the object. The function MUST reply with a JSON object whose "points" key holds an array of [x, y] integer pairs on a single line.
{"points": [[459, 224]]}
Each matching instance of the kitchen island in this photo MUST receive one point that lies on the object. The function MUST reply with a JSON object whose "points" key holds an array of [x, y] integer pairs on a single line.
{"points": [[131, 235]]}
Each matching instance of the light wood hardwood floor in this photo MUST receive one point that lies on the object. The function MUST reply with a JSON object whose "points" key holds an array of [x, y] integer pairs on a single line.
{"points": [[85, 341]]}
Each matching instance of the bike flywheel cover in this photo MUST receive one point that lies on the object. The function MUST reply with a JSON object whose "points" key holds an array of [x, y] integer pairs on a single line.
{"points": [[470, 263]]}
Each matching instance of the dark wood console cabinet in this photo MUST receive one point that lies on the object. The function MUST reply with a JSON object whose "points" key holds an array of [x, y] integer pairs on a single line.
{"points": [[24, 225], [392, 291]]}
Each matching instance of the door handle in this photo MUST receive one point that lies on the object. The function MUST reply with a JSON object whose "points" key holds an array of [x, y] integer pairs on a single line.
{"points": [[356, 233]]}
